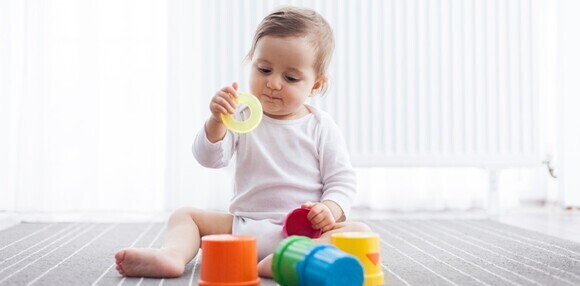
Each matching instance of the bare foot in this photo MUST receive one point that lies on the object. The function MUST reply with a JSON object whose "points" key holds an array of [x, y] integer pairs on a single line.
{"points": [[265, 267], [148, 262]]}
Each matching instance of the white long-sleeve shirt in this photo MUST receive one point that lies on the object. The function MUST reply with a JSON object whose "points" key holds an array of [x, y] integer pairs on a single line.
{"points": [[282, 164]]}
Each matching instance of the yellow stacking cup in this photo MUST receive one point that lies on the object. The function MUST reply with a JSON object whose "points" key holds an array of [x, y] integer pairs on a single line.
{"points": [[365, 246], [255, 114]]}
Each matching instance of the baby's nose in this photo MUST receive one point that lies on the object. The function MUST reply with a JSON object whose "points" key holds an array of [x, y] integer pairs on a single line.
{"points": [[274, 84]]}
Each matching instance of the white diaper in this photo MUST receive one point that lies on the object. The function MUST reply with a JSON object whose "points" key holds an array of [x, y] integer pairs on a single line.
{"points": [[268, 233]]}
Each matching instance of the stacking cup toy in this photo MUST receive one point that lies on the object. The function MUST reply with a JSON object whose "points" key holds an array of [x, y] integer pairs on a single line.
{"points": [[326, 265], [365, 246], [297, 223], [298, 261], [229, 260], [287, 255]]}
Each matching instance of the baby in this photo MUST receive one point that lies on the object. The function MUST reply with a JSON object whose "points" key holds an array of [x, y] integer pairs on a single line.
{"points": [[296, 157]]}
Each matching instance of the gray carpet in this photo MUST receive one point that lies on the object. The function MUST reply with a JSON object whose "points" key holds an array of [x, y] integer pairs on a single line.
{"points": [[414, 252]]}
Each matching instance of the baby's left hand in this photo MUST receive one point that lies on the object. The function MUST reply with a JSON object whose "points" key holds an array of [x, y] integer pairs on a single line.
{"points": [[320, 216]]}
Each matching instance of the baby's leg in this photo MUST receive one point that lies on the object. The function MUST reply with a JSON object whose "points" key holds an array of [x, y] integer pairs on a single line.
{"points": [[185, 228], [265, 266]]}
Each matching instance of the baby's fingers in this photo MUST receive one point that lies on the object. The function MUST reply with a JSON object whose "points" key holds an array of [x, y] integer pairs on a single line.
{"points": [[322, 224], [314, 211], [226, 101], [230, 90], [318, 218], [222, 106], [230, 98], [218, 109]]}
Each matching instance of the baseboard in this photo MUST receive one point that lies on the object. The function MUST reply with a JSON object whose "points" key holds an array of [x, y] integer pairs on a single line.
{"points": [[8, 219]]}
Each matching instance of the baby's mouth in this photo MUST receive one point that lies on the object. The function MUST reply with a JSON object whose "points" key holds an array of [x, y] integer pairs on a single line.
{"points": [[272, 98]]}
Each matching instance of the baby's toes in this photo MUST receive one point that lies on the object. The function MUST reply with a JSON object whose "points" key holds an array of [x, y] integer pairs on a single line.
{"points": [[120, 270], [119, 256]]}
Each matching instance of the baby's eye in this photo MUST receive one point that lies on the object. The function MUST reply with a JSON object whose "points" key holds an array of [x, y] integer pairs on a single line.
{"points": [[264, 70], [291, 79]]}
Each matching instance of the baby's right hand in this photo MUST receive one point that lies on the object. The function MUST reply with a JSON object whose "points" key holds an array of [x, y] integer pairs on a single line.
{"points": [[223, 102]]}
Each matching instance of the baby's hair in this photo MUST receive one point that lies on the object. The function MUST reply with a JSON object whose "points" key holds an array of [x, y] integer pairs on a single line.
{"points": [[300, 22]]}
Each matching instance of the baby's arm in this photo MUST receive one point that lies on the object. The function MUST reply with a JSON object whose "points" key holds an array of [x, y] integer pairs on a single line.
{"points": [[214, 146], [338, 175]]}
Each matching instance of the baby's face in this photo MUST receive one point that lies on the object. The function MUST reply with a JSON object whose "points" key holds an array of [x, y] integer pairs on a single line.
{"points": [[282, 75]]}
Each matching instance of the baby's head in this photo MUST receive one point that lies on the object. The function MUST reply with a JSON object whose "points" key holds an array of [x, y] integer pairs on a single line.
{"points": [[290, 55]]}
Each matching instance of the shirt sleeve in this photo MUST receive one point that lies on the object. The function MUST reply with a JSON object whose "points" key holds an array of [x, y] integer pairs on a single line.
{"points": [[214, 155], [338, 175]]}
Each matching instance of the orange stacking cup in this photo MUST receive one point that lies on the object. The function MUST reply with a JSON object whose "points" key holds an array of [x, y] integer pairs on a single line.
{"points": [[229, 260]]}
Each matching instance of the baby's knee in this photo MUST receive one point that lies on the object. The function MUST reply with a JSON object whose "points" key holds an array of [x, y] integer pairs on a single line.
{"points": [[184, 213], [358, 226]]}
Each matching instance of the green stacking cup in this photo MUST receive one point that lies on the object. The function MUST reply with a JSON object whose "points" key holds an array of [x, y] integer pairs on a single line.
{"points": [[287, 255]]}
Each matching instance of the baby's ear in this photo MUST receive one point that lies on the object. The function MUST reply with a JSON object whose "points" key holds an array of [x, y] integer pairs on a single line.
{"points": [[318, 84]]}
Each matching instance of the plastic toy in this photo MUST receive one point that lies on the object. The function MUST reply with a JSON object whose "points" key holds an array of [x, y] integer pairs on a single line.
{"points": [[229, 260], [287, 255], [255, 114], [365, 246], [298, 261], [296, 223]]}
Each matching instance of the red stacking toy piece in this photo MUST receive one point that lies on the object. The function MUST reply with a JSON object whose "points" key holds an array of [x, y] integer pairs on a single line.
{"points": [[297, 223]]}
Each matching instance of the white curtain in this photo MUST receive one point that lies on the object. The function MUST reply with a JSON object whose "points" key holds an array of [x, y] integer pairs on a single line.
{"points": [[83, 105], [188, 95], [100, 102]]}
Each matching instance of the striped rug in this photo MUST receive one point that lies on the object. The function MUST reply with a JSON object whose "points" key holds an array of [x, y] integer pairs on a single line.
{"points": [[414, 252]]}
